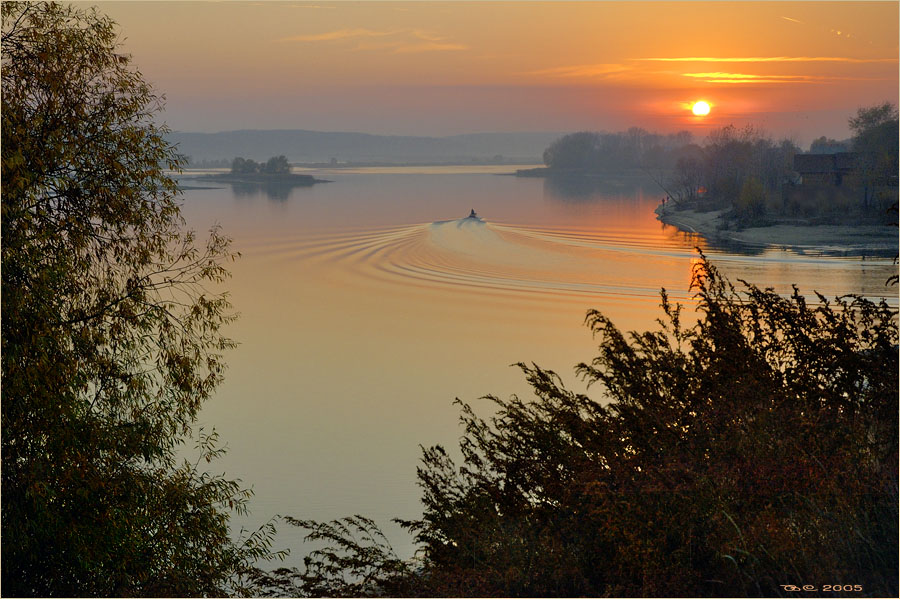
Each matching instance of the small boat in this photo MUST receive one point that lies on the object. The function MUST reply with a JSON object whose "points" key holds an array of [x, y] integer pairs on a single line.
{"points": [[473, 215]]}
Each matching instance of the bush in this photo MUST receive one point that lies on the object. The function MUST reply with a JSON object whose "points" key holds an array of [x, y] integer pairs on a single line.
{"points": [[750, 205]]}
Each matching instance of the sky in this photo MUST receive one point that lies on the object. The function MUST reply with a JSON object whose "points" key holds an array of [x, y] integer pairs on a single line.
{"points": [[794, 69]]}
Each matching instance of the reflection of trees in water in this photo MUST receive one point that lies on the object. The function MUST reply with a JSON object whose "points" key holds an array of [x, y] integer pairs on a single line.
{"points": [[592, 188], [730, 246], [734, 247], [278, 192], [718, 244]]}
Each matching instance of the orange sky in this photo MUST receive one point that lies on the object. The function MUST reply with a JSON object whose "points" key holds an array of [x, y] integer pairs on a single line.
{"points": [[797, 69]]}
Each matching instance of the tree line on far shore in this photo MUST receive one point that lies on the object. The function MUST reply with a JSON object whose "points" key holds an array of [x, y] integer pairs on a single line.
{"points": [[276, 165], [590, 151], [747, 172]]}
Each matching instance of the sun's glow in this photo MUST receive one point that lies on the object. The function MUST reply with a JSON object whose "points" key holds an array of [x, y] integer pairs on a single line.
{"points": [[700, 108]]}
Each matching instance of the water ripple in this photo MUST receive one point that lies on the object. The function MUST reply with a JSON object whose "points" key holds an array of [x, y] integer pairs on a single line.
{"points": [[556, 263]]}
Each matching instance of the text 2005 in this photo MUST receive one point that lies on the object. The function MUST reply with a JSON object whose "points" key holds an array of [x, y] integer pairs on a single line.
{"points": [[809, 588]]}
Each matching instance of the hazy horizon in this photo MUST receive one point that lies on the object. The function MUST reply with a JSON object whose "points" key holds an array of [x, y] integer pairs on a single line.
{"points": [[793, 69], [699, 138]]}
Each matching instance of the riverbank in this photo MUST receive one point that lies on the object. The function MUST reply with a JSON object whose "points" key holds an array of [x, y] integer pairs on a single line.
{"points": [[544, 172], [850, 239], [291, 179]]}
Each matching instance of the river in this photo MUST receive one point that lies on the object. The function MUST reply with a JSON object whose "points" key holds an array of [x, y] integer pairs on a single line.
{"points": [[369, 303]]}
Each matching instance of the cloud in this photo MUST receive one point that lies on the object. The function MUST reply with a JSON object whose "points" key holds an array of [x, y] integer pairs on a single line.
{"points": [[721, 77], [768, 59], [340, 34], [582, 71], [790, 19], [400, 41], [426, 35], [429, 47]]}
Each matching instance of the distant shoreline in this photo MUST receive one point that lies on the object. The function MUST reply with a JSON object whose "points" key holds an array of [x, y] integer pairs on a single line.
{"points": [[264, 179], [545, 172], [425, 163], [838, 239]]}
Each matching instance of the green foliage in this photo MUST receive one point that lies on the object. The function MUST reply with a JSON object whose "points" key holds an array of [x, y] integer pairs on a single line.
{"points": [[735, 155], [826, 145], [875, 128], [240, 166], [875, 133], [576, 150], [754, 449], [111, 335], [588, 151], [822, 202], [688, 177], [276, 165], [750, 205], [731, 157], [355, 561]]}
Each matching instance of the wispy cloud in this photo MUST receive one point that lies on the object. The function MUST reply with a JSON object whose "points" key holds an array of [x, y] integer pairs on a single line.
{"points": [[583, 71], [721, 77], [399, 41], [428, 47], [340, 34], [768, 59], [790, 19]]}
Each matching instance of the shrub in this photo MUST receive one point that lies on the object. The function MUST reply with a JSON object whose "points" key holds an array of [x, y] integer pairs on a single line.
{"points": [[750, 204]]}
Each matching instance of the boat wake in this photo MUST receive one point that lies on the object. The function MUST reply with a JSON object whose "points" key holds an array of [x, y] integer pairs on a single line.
{"points": [[475, 256]]}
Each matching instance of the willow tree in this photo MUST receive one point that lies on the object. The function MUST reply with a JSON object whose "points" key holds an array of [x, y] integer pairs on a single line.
{"points": [[111, 337]]}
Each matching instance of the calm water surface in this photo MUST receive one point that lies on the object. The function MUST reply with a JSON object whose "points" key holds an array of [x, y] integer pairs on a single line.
{"points": [[368, 304]]}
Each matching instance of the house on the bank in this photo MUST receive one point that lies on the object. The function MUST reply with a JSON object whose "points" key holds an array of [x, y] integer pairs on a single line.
{"points": [[853, 176], [828, 169]]}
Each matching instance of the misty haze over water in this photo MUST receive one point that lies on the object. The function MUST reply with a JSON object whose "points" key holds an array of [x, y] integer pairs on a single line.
{"points": [[323, 146]]}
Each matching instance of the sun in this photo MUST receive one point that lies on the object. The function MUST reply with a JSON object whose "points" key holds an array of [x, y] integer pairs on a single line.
{"points": [[700, 108]]}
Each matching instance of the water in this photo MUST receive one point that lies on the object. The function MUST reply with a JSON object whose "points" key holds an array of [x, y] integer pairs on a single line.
{"points": [[368, 304]]}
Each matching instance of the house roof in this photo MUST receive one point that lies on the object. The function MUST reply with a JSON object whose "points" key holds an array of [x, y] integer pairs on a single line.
{"points": [[840, 162], [814, 163], [846, 161]]}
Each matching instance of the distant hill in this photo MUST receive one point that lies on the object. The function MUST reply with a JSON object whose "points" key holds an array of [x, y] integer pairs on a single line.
{"points": [[321, 146]]}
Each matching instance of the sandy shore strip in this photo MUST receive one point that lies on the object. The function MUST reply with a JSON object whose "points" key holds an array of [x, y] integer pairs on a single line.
{"points": [[863, 238]]}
